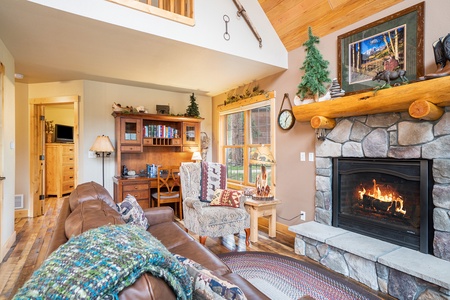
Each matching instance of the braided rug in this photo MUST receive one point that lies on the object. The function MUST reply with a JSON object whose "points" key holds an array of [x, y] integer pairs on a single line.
{"points": [[282, 277]]}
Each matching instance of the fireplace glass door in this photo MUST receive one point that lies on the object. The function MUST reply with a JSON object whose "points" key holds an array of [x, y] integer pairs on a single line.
{"points": [[384, 198]]}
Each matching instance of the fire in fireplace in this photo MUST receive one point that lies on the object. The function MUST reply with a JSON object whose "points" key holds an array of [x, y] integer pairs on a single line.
{"points": [[386, 199]]}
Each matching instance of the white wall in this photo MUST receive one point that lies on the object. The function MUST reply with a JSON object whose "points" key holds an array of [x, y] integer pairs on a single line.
{"points": [[96, 100], [207, 32], [7, 155], [22, 143]]}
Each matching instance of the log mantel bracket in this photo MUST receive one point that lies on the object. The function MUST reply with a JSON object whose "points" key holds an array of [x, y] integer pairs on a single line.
{"points": [[423, 100]]}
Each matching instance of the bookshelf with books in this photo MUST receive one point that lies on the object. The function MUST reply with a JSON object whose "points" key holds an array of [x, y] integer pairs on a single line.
{"points": [[143, 139]]}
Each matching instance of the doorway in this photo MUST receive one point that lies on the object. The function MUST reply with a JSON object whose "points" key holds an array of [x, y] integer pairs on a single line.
{"points": [[37, 118]]}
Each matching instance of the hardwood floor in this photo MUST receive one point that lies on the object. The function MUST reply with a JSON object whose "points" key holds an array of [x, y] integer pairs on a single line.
{"points": [[34, 234]]}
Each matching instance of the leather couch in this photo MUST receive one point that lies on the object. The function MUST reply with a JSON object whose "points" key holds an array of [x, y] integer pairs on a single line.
{"points": [[90, 206]]}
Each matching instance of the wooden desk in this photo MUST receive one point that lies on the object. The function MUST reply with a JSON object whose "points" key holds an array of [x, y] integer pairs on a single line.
{"points": [[258, 209], [139, 187]]}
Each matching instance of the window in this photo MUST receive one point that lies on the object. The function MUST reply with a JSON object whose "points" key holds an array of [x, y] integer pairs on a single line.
{"points": [[243, 129]]}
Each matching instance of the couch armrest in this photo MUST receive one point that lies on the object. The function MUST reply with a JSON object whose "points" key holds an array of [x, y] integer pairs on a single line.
{"points": [[157, 215]]}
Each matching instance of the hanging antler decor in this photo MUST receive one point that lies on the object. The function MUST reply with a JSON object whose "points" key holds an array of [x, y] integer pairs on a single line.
{"points": [[243, 13]]}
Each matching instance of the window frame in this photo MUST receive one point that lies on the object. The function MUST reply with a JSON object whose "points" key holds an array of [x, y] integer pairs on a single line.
{"points": [[246, 107]]}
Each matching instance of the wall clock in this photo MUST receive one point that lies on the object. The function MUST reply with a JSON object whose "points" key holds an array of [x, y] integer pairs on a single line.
{"points": [[286, 119]]}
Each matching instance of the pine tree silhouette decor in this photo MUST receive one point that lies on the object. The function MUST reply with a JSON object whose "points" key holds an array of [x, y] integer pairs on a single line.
{"points": [[316, 70], [192, 109]]}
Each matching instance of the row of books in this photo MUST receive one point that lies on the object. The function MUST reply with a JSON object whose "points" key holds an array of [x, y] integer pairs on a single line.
{"points": [[160, 131]]}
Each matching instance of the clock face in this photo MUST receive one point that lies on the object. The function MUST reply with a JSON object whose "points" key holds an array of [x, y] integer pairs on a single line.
{"points": [[286, 119]]}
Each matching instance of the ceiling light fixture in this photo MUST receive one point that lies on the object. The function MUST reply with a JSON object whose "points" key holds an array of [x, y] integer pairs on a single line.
{"points": [[18, 76]]}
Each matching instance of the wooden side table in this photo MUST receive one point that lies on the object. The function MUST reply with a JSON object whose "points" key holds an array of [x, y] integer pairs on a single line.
{"points": [[258, 209]]}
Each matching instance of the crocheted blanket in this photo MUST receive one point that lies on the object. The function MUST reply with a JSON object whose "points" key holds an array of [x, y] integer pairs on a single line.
{"points": [[100, 262]]}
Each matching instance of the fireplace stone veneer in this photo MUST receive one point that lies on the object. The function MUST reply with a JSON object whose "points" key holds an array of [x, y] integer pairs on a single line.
{"points": [[394, 136]]}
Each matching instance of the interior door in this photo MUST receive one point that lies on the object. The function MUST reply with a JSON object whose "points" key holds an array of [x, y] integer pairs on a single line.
{"points": [[37, 148], [41, 151]]}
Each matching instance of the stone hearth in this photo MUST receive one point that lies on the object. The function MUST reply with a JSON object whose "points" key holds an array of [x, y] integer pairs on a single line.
{"points": [[390, 135]]}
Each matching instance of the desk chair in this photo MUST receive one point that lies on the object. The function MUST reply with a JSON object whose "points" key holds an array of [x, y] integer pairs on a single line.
{"points": [[169, 188]]}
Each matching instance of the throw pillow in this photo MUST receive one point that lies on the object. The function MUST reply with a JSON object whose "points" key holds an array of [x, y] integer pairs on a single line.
{"points": [[212, 176], [226, 198], [208, 286], [132, 212]]}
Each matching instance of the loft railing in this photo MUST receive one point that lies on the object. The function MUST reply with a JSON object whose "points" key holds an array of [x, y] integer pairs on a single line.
{"points": [[176, 10]]}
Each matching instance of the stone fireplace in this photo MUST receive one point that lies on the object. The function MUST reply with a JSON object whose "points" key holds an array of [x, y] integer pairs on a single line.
{"points": [[382, 263]]}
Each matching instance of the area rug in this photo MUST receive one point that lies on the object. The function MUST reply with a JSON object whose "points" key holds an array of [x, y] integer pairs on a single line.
{"points": [[282, 277]]}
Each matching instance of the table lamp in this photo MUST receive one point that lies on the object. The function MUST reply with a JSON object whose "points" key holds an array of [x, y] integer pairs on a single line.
{"points": [[197, 157], [102, 146], [262, 156]]}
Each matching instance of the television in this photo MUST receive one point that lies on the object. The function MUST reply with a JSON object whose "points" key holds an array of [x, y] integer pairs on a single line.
{"points": [[63, 133]]}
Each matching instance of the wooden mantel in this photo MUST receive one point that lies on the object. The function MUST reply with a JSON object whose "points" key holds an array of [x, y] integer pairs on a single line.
{"points": [[423, 100]]}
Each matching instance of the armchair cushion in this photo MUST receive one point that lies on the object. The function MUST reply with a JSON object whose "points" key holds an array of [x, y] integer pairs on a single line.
{"points": [[132, 212], [213, 176], [226, 198]]}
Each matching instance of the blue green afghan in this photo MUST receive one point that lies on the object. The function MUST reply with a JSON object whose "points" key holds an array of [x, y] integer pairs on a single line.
{"points": [[101, 262]]}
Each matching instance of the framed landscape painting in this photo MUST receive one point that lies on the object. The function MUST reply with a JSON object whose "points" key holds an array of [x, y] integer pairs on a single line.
{"points": [[392, 43]]}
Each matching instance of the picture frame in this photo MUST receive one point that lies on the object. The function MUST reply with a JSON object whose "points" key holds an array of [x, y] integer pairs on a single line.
{"points": [[369, 49], [163, 109]]}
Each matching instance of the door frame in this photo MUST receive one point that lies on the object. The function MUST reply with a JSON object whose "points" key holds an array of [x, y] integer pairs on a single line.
{"points": [[37, 170]]}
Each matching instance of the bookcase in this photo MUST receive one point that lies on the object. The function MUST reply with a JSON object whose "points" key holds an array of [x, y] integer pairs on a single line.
{"points": [[143, 139]]}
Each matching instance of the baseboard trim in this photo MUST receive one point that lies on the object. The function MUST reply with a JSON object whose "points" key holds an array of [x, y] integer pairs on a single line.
{"points": [[7, 246], [282, 228], [21, 213]]}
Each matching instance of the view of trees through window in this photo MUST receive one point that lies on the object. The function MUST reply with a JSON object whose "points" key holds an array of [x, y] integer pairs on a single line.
{"points": [[245, 131]]}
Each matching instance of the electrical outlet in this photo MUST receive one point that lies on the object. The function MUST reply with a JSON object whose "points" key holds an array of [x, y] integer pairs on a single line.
{"points": [[302, 156], [311, 156], [91, 154], [302, 215]]}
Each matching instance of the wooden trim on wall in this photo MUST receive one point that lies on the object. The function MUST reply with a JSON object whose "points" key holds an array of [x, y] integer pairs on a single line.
{"points": [[156, 11]]}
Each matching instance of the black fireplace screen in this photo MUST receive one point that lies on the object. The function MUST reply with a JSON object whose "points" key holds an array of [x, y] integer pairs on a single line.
{"points": [[384, 198]]}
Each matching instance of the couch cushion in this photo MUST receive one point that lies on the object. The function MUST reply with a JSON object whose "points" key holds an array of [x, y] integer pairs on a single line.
{"points": [[200, 254], [206, 285], [91, 214], [132, 212], [90, 191], [170, 234], [226, 198]]}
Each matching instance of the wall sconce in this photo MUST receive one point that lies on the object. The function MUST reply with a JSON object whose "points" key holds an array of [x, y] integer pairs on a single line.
{"points": [[196, 156], [102, 146]]}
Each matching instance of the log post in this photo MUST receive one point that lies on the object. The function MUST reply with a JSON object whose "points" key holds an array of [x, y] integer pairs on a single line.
{"points": [[322, 122], [422, 109]]}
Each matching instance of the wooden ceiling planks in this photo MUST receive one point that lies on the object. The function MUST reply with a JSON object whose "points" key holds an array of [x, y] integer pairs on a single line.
{"points": [[291, 18]]}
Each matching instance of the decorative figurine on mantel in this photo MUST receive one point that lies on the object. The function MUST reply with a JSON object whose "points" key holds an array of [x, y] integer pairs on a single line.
{"points": [[262, 156], [335, 89], [316, 70], [441, 49], [192, 109]]}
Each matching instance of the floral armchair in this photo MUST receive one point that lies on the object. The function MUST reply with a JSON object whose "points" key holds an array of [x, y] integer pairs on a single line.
{"points": [[203, 218]]}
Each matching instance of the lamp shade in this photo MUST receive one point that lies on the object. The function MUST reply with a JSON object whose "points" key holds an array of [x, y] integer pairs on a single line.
{"points": [[196, 156], [262, 156], [102, 144]]}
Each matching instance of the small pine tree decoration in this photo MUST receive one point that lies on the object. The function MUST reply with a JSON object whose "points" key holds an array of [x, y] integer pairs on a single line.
{"points": [[315, 67], [192, 109]]}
